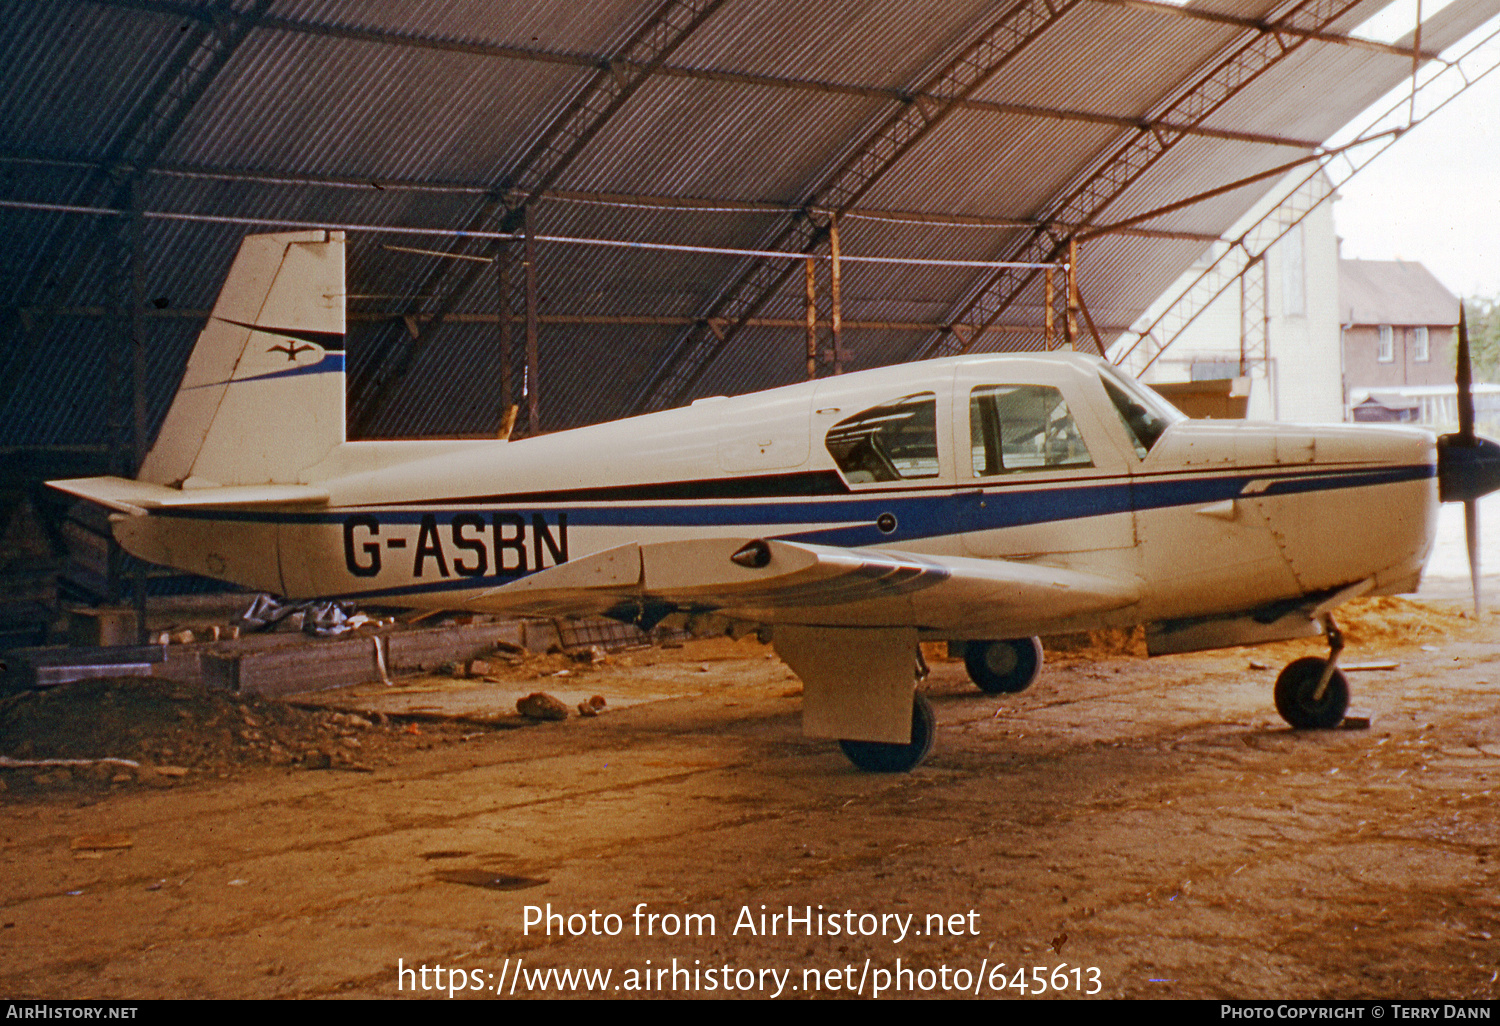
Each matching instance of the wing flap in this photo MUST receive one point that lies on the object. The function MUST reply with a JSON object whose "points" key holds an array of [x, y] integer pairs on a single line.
{"points": [[832, 586], [589, 584], [790, 582]]}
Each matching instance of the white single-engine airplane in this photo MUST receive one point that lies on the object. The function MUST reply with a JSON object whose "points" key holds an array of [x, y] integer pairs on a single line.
{"points": [[983, 499]]}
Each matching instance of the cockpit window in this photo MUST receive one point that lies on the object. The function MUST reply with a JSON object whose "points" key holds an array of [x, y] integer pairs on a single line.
{"points": [[1022, 427], [893, 442], [1145, 414]]}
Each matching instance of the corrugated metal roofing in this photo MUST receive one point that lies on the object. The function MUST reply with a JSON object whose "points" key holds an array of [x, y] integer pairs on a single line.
{"points": [[848, 42], [377, 110], [1108, 59], [413, 109]]}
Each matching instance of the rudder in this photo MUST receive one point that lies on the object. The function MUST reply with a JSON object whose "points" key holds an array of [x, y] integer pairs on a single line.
{"points": [[262, 398]]}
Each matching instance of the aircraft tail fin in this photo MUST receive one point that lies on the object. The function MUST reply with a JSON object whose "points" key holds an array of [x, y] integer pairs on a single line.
{"points": [[263, 395]]}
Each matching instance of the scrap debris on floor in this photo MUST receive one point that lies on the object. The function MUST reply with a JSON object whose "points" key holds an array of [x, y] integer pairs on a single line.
{"points": [[104, 733], [117, 732]]}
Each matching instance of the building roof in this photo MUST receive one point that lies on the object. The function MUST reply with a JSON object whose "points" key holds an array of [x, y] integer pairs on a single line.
{"points": [[1389, 401], [966, 129], [1393, 292]]}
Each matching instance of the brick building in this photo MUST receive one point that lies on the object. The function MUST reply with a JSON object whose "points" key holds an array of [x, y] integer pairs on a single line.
{"points": [[1399, 326]]}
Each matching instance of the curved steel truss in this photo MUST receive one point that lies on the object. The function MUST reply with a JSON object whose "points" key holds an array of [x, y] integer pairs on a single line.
{"points": [[1081, 205], [1245, 255]]}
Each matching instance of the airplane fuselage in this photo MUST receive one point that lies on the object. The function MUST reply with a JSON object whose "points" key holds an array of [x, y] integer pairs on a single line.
{"points": [[1026, 458], [981, 499]]}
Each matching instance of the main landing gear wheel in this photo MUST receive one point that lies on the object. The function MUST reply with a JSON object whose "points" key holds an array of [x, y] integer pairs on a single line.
{"points": [[887, 757], [1004, 667], [1297, 699]]}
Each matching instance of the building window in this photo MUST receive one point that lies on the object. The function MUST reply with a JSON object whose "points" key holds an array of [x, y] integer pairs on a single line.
{"points": [[1385, 352], [1419, 349], [1213, 370]]}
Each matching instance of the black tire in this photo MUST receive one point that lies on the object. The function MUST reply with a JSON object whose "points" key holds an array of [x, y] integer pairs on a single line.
{"points": [[885, 757], [1294, 695], [1004, 667]]}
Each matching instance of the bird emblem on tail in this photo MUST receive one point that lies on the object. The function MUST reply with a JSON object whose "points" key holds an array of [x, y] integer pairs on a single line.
{"points": [[291, 349]]}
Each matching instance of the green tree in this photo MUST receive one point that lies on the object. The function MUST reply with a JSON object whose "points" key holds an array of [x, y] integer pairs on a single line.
{"points": [[1484, 337]]}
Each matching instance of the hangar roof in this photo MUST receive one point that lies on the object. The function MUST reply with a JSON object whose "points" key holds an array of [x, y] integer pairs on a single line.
{"points": [[949, 130]]}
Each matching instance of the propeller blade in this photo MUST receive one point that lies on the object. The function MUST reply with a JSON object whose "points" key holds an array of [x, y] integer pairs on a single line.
{"points": [[1465, 377], [1471, 535]]}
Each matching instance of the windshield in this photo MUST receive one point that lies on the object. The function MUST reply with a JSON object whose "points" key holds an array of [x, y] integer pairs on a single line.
{"points": [[1145, 414]]}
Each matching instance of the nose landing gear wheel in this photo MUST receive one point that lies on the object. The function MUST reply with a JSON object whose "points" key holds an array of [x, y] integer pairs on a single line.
{"points": [[885, 757], [1003, 667], [1297, 699]]}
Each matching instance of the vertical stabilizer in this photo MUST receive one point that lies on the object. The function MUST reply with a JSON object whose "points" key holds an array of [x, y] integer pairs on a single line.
{"points": [[263, 395]]}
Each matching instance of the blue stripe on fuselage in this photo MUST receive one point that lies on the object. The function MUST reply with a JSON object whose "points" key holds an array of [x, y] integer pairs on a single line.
{"points": [[919, 513]]}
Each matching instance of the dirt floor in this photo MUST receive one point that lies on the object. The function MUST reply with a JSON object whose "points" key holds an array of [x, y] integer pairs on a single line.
{"points": [[1128, 827]]}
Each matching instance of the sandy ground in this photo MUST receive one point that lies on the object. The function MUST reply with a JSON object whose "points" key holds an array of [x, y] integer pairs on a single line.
{"points": [[1127, 827]]}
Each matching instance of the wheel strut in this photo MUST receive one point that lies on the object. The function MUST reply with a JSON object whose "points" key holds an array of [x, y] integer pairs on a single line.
{"points": [[1335, 648]]}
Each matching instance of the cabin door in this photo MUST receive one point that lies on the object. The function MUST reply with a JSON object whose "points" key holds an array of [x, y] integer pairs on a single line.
{"points": [[1040, 471]]}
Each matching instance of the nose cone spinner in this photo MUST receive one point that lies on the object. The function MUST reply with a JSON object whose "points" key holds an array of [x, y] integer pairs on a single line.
{"points": [[1467, 468]]}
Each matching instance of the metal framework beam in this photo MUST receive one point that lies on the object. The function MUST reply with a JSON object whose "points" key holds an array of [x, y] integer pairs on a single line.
{"points": [[674, 378], [656, 201], [614, 82], [1255, 315], [178, 9], [200, 55], [1338, 38], [1247, 252], [1227, 77], [150, 313], [591, 61], [1276, 172]]}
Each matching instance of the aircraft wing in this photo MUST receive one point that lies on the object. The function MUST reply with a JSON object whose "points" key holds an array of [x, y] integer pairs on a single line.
{"points": [[769, 581]]}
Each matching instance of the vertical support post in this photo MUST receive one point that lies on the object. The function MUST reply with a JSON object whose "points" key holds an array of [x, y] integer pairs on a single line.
{"points": [[1072, 325], [121, 352], [1051, 300], [1416, 63], [137, 328], [137, 333], [1265, 339], [118, 403], [502, 285], [812, 318], [1244, 325], [533, 411], [1254, 323], [836, 288]]}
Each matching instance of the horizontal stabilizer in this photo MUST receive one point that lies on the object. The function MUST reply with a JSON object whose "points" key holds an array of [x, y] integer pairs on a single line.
{"points": [[139, 497]]}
